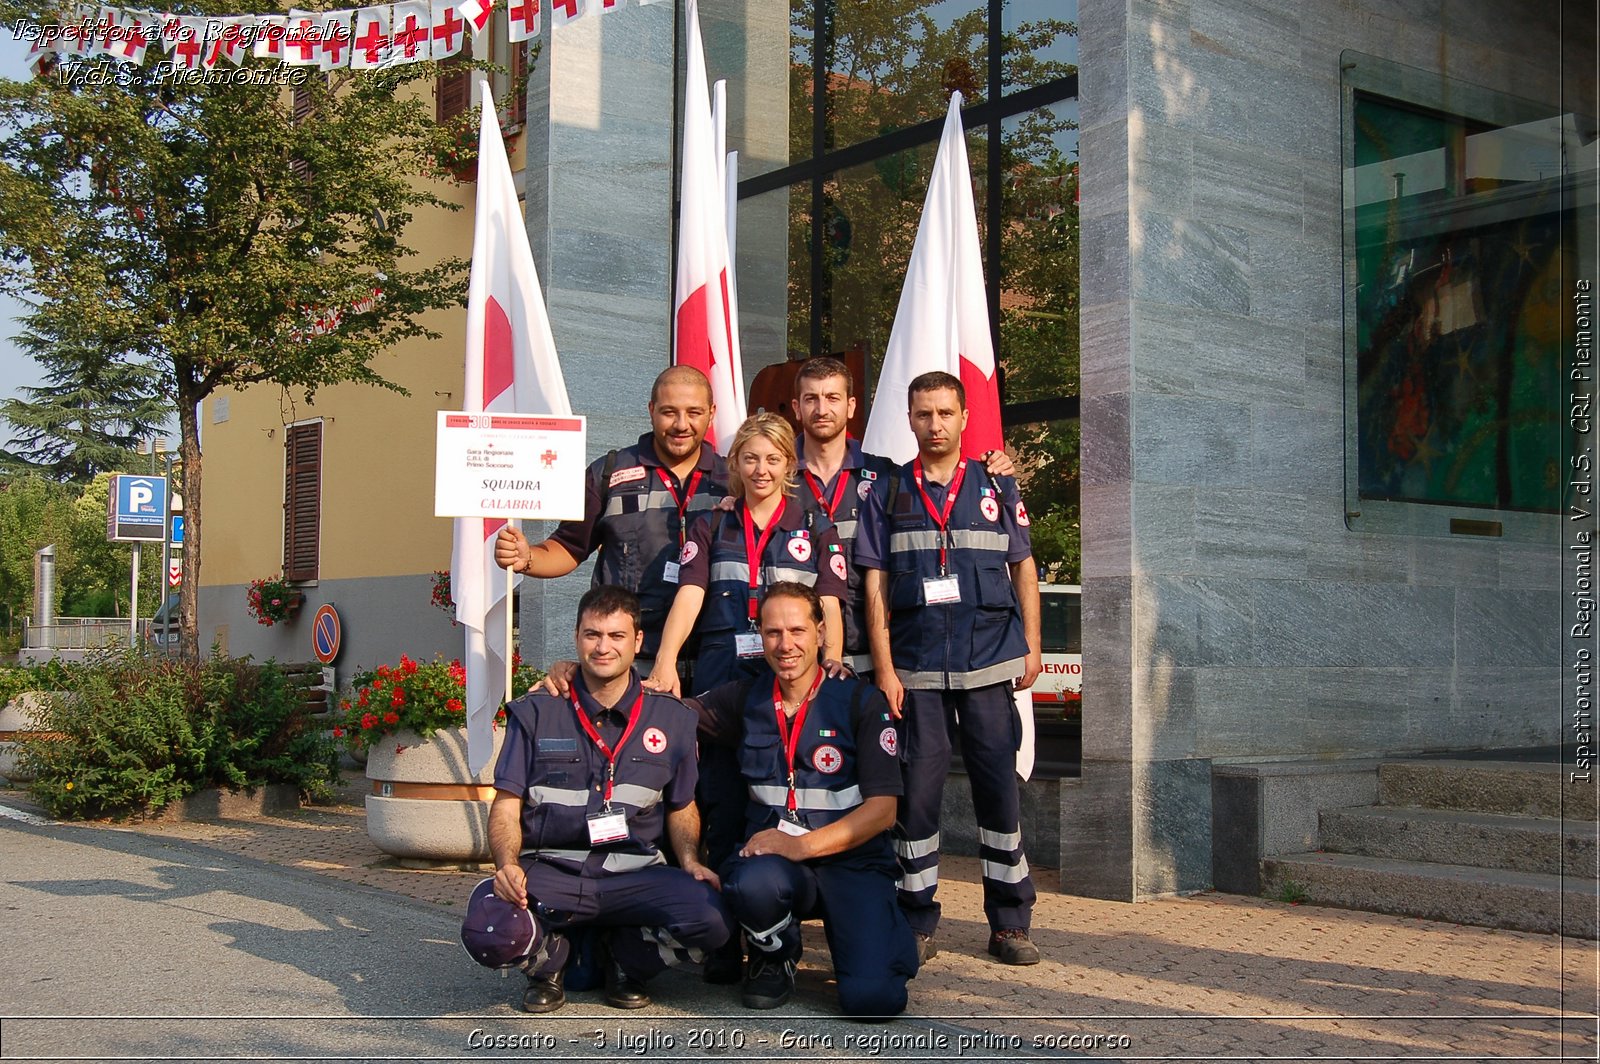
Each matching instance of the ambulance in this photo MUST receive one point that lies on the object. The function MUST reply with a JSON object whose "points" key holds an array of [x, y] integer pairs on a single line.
{"points": [[1058, 692]]}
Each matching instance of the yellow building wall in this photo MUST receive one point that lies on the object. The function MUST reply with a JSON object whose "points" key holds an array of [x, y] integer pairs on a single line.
{"points": [[377, 447]]}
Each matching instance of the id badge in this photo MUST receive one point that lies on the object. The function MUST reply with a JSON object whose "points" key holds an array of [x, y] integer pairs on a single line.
{"points": [[939, 590], [747, 644], [670, 573], [607, 827], [789, 827]]}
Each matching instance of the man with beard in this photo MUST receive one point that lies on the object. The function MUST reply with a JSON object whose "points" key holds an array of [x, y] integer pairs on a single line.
{"points": [[637, 505]]}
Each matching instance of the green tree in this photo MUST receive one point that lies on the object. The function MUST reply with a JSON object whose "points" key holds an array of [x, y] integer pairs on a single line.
{"points": [[91, 411], [205, 229]]}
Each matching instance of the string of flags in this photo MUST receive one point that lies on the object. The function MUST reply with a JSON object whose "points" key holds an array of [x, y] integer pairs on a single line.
{"points": [[364, 38]]}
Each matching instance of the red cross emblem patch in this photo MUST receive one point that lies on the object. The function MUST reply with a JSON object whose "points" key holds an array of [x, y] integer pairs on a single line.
{"points": [[690, 549], [836, 563], [655, 740], [1022, 514], [800, 548], [827, 759], [889, 739], [990, 508]]}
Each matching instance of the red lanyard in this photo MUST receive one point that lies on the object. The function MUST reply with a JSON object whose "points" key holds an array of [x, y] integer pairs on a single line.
{"points": [[610, 754], [790, 736], [817, 489], [755, 549], [683, 503], [941, 520]]}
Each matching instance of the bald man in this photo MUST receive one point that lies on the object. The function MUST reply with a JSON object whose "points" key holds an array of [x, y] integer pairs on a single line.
{"points": [[638, 502]]}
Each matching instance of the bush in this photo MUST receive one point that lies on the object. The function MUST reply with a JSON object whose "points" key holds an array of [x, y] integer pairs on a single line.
{"points": [[414, 697], [16, 679], [131, 734]]}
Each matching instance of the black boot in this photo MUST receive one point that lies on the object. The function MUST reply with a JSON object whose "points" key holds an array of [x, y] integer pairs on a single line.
{"points": [[725, 964], [623, 991], [545, 993]]}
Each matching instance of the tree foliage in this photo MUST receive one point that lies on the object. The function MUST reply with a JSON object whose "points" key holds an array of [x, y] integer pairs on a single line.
{"points": [[893, 64], [204, 229]]}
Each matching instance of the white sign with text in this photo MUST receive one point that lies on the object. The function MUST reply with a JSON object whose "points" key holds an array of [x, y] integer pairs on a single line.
{"points": [[509, 465]]}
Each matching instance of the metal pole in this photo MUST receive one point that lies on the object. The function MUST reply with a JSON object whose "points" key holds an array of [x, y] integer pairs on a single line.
{"points": [[133, 604]]}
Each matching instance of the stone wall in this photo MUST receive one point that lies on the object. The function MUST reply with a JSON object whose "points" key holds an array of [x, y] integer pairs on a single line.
{"points": [[1229, 614]]}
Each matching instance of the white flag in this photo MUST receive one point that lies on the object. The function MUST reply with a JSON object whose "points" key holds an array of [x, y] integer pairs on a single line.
{"points": [[449, 29], [270, 31], [412, 32], [333, 40], [370, 48], [477, 13], [524, 19], [565, 11], [302, 44], [511, 367], [942, 322], [706, 334]]}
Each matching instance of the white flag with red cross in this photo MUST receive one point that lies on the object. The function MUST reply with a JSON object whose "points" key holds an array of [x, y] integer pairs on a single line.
{"points": [[190, 52], [230, 41], [171, 30], [333, 45], [511, 368], [705, 334], [369, 49], [302, 43], [943, 319], [411, 32], [524, 18], [133, 39], [449, 29], [104, 33], [270, 32], [565, 11], [477, 13]]}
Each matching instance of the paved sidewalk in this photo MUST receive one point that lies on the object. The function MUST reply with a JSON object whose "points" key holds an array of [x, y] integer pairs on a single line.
{"points": [[1206, 977]]}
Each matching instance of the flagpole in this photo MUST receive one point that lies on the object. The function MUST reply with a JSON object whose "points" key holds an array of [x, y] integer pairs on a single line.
{"points": [[511, 602]]}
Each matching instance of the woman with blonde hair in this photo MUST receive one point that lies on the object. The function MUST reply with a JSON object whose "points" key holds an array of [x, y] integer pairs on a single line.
{"points": [[732, 556]]}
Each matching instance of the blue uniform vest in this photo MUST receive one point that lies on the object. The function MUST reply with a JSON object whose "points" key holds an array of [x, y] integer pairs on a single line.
{"points": [[961, 645], [825, 763], [566, 783], [726, 607], [860, 468], [639, 528]]}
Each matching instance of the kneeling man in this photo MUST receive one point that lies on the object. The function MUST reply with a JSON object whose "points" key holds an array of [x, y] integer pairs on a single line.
{"points": [[820, 759], [585, 787]]}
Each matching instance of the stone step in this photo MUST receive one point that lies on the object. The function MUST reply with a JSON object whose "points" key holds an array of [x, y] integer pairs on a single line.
{"points": [[1448, 836], [1511, 788], [1516, 901]]}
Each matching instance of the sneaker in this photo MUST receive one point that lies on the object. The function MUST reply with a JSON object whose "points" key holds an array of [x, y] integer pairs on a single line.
{"points": [[927, 949], [769, 983], [1013, 946]]}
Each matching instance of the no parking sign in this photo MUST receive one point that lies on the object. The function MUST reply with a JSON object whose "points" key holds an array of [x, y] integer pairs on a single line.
{"points": [[326, 634]]}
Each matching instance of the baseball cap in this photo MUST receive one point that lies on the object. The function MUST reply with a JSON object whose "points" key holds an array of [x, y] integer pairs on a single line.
{"points": [[497, 933]]}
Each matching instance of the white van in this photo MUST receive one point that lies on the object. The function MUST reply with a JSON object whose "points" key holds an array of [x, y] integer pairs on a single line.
{"points": [[1059, 689]]}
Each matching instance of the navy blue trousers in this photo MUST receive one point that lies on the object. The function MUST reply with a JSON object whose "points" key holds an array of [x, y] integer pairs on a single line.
{"points": [[874, 953], [986, 720], [721, 792], [662, 916]]}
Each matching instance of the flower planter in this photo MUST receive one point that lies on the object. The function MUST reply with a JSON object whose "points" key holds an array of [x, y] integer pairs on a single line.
{"points": [[425, 805], [18, 722]]}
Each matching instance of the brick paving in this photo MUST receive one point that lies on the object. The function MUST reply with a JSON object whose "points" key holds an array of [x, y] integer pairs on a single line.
{"points": [[1204, 977]]}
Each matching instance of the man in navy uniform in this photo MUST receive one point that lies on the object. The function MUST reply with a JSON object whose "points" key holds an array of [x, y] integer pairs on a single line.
{"points": [[586, 787], [953, 618], [637, 505], [838, 476], [819, 758]]}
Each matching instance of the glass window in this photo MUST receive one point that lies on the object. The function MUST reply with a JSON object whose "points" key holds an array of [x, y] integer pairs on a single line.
{"points": [[894, 63], [1040, 42], [1456, 243]]}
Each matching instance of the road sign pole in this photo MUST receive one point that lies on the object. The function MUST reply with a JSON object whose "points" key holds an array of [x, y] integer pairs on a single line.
{"points": [[133, 605]]}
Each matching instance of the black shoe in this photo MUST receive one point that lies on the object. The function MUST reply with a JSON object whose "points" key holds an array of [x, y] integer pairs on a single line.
{"points": [[1013, 946], [725, 964], [544, 994], [769, 983], [927, 949], [623, 991]]}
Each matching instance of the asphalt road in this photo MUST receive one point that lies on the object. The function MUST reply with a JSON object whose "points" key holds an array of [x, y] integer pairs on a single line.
{"points": [[117, 945]]}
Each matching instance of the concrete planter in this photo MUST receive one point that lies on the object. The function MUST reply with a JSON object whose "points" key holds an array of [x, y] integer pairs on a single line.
{"points": [[425, 805], [19, 721]]}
